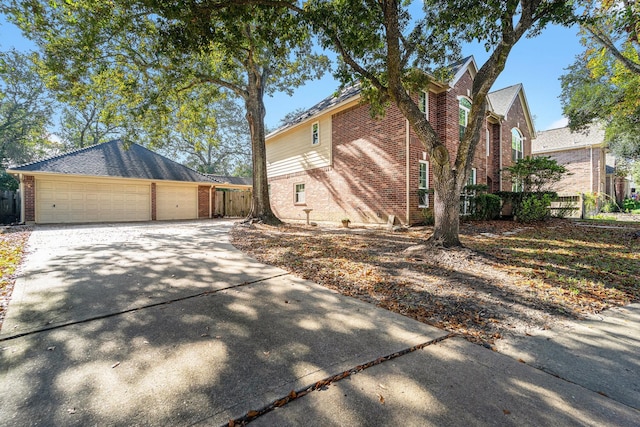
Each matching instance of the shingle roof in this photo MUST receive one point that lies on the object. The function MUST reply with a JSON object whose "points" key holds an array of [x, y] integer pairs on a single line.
{"points": [[564, 139], [326, 104], [501, 100], [113, 159], [235, 180]]}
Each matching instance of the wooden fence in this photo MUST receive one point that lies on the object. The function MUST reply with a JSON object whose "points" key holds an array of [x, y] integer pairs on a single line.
{"points": [[232, 203], [9, 206]]}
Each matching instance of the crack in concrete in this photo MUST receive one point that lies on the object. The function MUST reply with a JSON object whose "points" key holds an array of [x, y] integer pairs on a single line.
{"points": [[142, 307], [296, 394]]}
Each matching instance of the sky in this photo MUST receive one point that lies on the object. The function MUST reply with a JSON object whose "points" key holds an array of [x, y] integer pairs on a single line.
{"points": [[536, 63]]}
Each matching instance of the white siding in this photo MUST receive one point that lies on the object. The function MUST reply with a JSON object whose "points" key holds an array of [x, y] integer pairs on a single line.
{"points": [[292, 150]]}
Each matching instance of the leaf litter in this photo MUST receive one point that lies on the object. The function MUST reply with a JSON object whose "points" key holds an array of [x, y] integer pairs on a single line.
{"points": [[507, 279]]}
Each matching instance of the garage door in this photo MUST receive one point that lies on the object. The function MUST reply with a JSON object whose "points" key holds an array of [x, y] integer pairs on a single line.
{"points": [[176, 202], [78, 201]]}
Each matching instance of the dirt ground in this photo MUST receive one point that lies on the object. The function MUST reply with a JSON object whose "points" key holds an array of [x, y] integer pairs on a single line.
{"points": [[508, 279]]}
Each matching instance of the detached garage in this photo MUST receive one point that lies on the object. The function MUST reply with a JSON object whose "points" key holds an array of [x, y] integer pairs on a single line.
{"points": [[111, 182]]}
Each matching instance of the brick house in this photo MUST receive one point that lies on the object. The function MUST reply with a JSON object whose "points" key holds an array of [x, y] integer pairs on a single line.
{"points": [[341, 163], [584, 154]]}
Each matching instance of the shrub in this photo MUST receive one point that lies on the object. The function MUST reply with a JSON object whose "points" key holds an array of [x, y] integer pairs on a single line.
{"points": [[427, 215], [534, 207], [610, 206], [486, 207]]}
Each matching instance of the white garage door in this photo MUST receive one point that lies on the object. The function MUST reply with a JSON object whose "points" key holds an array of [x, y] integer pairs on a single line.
{"points": [[79, 201], [176, 202]]}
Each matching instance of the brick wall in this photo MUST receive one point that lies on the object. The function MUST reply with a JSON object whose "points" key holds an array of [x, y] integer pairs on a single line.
{"points": [[515, 119], [367, 179], [203, 201], [29, 183], [586, 168], [366, 182]]}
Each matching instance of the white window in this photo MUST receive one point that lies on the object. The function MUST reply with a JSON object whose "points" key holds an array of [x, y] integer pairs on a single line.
{"points": [[465, 109], [315, 133], [423, 103], [473, 177], [299, 193], [423, 184], [517, 151]]}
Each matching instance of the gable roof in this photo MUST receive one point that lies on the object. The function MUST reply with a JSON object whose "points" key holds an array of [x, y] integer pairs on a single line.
{"points": [[499, 102], [503, 99], [113, 159], [563, 139]]}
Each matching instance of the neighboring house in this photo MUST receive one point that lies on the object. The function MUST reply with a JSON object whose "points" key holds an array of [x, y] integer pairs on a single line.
{"points": [[110, 183], [341, 163], [584, 155]]}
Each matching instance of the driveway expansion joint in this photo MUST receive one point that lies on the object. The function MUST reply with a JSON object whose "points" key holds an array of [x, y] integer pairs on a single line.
{"points": [[130, 310], [321, 384]]}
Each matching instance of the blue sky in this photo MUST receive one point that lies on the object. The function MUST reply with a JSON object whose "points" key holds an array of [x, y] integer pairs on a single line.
{"points": [[536, 63]]}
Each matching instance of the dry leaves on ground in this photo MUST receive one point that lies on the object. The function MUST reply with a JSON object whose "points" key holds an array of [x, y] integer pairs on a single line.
{"points": [[12, 243], [508, 278]]}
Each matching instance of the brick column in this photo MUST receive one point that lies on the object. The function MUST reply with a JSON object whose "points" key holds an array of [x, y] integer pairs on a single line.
{"points": [[29, 186], [153, 201]]}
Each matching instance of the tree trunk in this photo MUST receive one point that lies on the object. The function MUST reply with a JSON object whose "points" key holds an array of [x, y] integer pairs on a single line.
{"points": [[254, 101]]}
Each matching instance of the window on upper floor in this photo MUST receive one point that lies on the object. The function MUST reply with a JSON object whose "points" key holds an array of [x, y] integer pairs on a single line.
{"points": [[315, 133], [423, 103], [517, 144], [465, 109], [423, 184], [299, 194]]}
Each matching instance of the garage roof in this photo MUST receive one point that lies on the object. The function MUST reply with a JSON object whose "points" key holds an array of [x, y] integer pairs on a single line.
{"points": [[115, 159]]}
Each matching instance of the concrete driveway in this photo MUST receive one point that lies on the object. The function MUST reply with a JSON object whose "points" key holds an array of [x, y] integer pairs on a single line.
{"points": [[168, 324]]}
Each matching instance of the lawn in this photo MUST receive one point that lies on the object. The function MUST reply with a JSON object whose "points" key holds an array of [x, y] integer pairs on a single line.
{"points": [[508, 279], [12, 245]]}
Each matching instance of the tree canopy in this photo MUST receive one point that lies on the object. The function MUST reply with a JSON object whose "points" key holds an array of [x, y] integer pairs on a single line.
{"points": [[602, 85]]}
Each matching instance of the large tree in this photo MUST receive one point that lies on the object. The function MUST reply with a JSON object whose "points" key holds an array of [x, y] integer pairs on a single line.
{"points": [[385, 47], [602, 85], [166, 46], [210, 133], [25, 109]]}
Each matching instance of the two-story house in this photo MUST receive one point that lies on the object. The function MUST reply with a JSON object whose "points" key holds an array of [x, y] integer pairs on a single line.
{"points": [[340, 162]]}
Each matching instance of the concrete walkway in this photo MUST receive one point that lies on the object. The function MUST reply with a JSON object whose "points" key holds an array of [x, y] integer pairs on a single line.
{"points": [[168, 324]]}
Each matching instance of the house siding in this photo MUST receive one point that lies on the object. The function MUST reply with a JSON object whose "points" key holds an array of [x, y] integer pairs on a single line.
{"points": [[366, 182], [293, 152], [373, 171]]}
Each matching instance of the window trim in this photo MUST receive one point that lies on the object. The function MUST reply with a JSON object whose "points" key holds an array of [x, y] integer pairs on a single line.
{"points": [[296, 194], [423, 103], [426, 185], [467, 113], [315, 133], [514, 151]]}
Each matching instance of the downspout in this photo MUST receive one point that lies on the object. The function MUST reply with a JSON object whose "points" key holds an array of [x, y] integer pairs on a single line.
{"points": [[408, 189], [500, 150], [22, 203]]}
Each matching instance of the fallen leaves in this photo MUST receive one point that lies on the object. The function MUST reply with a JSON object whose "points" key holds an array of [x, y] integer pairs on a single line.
{"points": [[507, 278], [12, 245]]}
